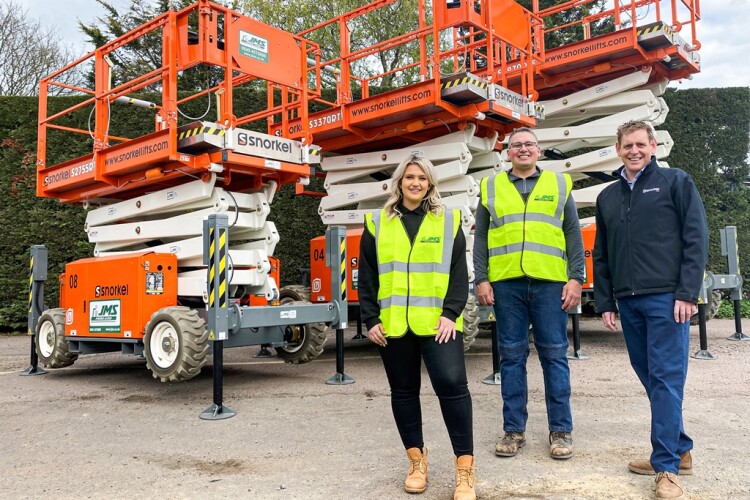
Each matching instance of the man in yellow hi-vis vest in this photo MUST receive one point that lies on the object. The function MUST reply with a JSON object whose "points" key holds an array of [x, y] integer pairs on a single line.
{"points": [[529, 264]]}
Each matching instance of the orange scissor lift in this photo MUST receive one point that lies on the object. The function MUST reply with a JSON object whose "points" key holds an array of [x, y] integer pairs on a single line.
{"points": [[500, 72]]}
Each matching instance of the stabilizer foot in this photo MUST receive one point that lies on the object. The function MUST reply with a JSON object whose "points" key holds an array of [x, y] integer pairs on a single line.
{"points": [[492, 379], [340, 379], [579, 354], [33, 370], [359, 337], [703, 354], [739, 336], [217, 412], [264, 353]]}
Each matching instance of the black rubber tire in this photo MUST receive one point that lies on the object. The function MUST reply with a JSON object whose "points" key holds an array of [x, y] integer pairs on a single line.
{"points": [[713, 308], [291, 293], [186, 336], [305, 342], [51, 345], [471, 321]]}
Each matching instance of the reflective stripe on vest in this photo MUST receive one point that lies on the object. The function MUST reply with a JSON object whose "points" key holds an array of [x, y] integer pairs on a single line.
{"points": [[526, 239], [413, 278]]}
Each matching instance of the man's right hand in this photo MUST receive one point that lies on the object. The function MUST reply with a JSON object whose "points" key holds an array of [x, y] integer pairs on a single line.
{"points": [[484, 294], [608, 318]]}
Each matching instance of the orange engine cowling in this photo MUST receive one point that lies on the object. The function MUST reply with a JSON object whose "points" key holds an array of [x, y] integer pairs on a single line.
{"points": [[115, 296]]}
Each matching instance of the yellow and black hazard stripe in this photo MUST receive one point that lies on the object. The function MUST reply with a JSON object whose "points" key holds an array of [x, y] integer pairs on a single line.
{"points": [[654, 28], [202, 129], [31, 287], [462, 80], [315, 151], [212, 270], [342, 256]]}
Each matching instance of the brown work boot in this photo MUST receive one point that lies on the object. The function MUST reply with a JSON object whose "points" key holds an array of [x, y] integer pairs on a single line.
{"points": [[416, 479], [560, 445], [668, 487], [510, 444], [644, 466], [465, 478]]}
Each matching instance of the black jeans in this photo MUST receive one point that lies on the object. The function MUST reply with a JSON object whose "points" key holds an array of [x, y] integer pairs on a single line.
{"points": [[447, 369]]}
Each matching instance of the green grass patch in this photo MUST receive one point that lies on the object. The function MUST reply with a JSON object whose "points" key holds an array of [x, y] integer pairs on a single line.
{"points": [[726, 309]]}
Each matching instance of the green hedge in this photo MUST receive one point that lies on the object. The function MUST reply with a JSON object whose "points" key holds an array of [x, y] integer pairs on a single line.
{"points": [[709, 127]]}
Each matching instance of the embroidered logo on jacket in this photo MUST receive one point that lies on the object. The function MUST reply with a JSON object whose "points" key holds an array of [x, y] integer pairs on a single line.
{"points": [[544, 197], [654, 190], [430, 239]]}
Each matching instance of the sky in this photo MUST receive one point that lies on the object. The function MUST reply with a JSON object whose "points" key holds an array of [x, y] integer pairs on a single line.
{"points": [[722, 32]]}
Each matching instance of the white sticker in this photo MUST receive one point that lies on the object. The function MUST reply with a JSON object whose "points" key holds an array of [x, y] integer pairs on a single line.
{"points": [[273, 164], [289, 314], [104, 316]]}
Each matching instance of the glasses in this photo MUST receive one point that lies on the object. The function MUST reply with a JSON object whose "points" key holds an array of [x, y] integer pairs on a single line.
{"points": [[527, 145]]}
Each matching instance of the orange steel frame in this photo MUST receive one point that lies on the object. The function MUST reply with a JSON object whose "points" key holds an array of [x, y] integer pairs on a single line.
{"points": [[507, 38], [120, 167]]}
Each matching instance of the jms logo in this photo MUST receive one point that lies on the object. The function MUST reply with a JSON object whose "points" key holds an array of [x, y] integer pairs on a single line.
{"points": [[250, 41], [430, 239], [105, 312], [544, 197]]}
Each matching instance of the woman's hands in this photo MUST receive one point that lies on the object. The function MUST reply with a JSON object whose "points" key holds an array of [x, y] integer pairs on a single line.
{"points": [[446, 330], [377, 335]]}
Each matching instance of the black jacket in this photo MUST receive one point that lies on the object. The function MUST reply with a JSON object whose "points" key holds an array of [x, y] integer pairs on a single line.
{"points": [[368, 281], [653, 239]]}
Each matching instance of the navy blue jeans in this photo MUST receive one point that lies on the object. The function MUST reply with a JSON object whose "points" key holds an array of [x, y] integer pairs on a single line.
{"points": [[658, 348], [518, 303], [402, 359]]}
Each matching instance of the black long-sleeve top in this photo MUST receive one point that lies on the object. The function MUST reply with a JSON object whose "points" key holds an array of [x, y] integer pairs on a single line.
{"points": [[368, 281]]}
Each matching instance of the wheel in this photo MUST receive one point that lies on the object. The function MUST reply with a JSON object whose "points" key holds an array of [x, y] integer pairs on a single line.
{"points": [[471, 321], [51, 346], [175, 344], [291, 293], [713, 307], [304, 342]]}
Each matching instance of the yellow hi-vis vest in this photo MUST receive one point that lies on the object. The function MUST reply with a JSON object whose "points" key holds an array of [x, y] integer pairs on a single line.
{"points": [[526, 239], [413, 278]]}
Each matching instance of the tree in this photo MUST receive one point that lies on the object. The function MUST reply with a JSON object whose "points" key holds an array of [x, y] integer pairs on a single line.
{"points": [[576, 12], [29, 52]]}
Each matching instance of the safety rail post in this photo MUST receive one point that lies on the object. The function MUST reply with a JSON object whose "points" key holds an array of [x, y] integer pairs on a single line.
{"points": [[494, 377], [215, 256], [703, 295], [336, 260], [576, 353], [729, 250], [37, 277]]}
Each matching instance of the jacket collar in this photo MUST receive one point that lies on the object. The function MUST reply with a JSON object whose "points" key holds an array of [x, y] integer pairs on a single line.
{"points": [[617, 174]]}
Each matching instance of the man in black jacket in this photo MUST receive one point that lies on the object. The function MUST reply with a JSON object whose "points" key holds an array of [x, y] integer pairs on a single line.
{"points": [[649, 256]]}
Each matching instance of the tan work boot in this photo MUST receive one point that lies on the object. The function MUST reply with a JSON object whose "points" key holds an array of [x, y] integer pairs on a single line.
{"points": [[644, 466], [668, 487], [510, 444], [465, 478], [416, 479], [560, 445]]}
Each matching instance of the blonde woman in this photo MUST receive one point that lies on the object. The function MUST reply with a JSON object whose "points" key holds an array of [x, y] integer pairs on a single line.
{"points": [[413, 285]]}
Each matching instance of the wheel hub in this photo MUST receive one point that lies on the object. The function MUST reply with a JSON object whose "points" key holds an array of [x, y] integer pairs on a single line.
{"points": [[167, 344]]}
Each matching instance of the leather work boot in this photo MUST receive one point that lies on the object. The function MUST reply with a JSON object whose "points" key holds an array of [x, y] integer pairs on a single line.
{"points": [[644, 466], [560, 445], [416, 479], [510, 444], [668, 487], [465, 478]]}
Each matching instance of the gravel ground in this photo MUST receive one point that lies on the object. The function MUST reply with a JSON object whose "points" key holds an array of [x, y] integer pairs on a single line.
{"points": [[104, 428]]}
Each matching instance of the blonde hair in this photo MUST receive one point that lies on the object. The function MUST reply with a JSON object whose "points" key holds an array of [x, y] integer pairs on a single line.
{"points": [[431, 202]]}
